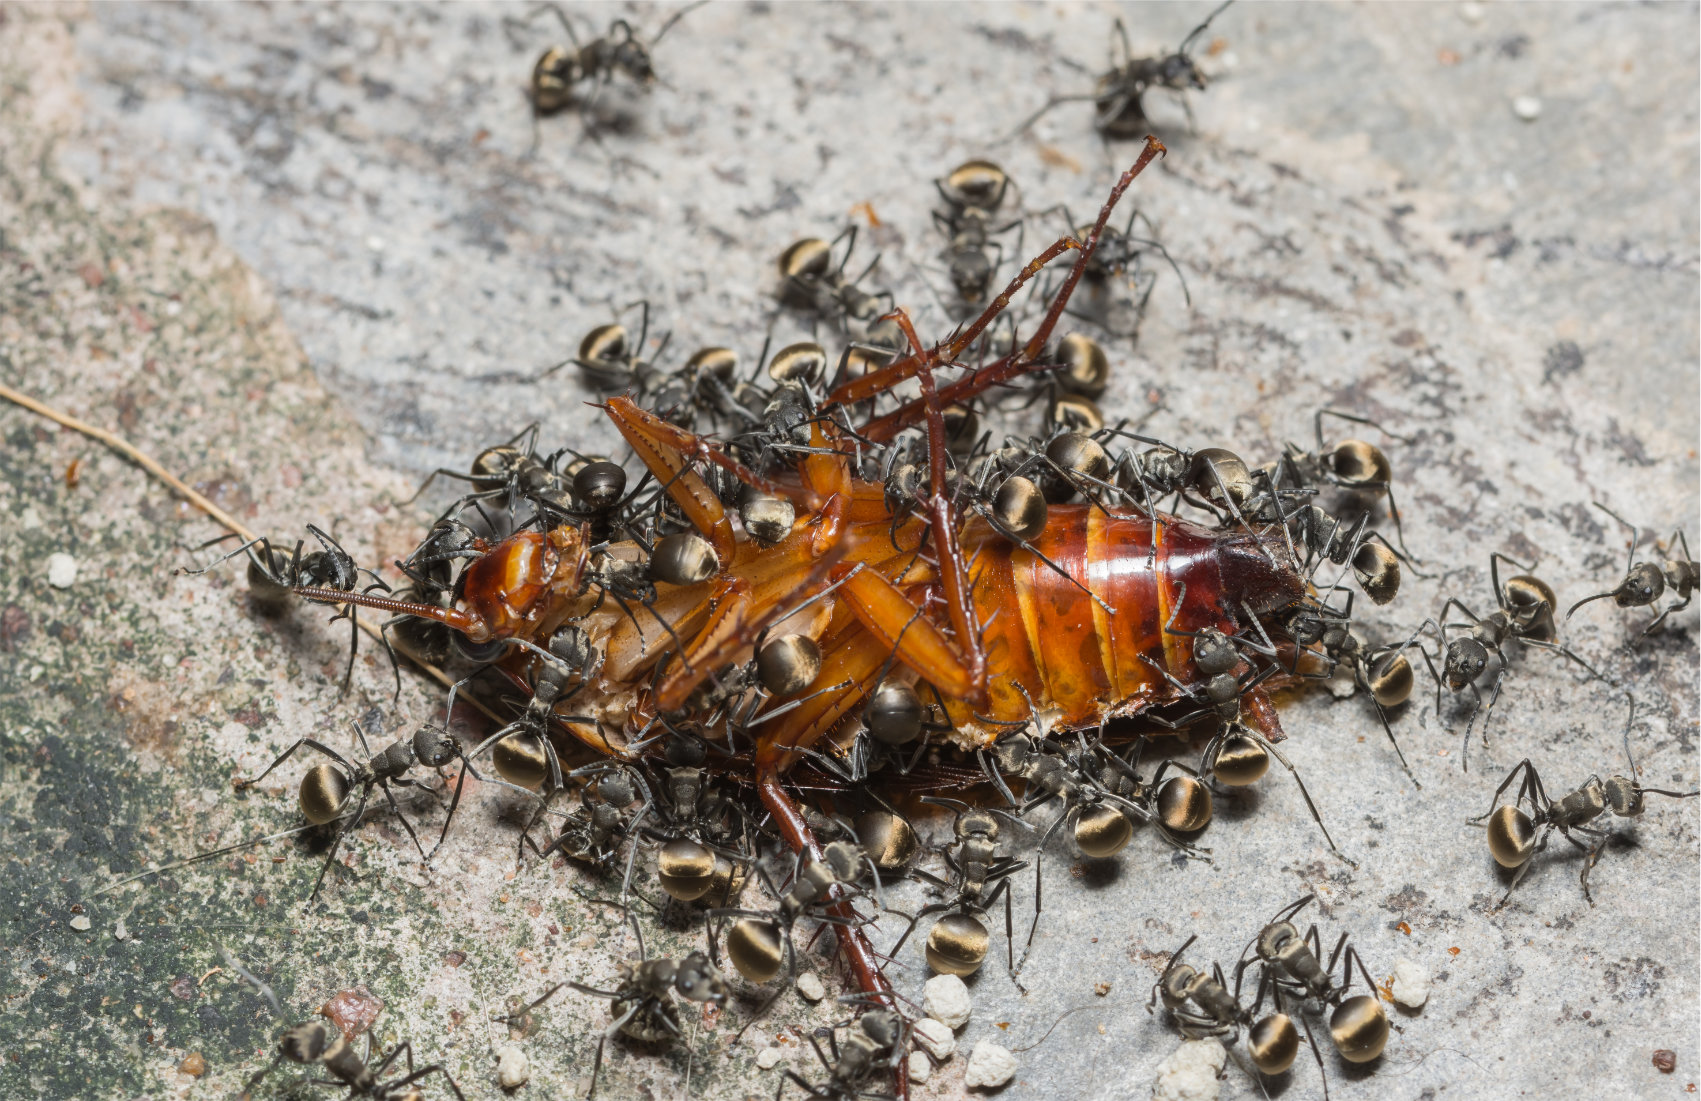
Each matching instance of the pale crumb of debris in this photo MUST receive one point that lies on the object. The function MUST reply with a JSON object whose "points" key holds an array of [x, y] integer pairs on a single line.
{"points": [[946, 1000], [81, 923], [990, 1066], [61, 570], [1341, 684], [769, 1058], [921, 1068], [809, 985], [1191, 1072], [935, 1037], [1101, 988], [1528, 108], [1411, 983], [1471, 12], [121, 931], [194, 1065], [513, 1069]]}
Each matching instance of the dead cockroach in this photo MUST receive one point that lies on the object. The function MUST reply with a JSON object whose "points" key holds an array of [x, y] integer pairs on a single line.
{"points": [[884, 594]]}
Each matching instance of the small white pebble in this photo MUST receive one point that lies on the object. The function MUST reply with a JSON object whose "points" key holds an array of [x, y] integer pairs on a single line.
{"points": [[61, 571], [921, 1068], [513, 1069], [1190, 1073], [946, 1000], [935, 1037], [1411, 983], [990, 1066], [1471, 12], [769, 1058], [121, 931], [809, 985], [81, 923], [1528, 108], [376, 244]]}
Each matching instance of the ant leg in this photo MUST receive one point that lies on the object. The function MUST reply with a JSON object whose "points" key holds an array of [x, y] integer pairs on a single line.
{"points": [[435, 1068], [1309, 805], [337, 842], [1521, 766], [1465, 754], [1382, 713], [1589, 864], [310, 744], [405, 823]]}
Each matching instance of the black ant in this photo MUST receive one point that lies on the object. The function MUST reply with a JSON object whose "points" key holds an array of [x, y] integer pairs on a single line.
{"points": [[642, 1001], [272, 578], [324, 790], [310, 1044], [875, 1042], [1358, 1024], [1352, 465], [1524, 611], [957, 943], [1383, 672], [811, 281], [560, 70], [1515, 835], [1645, 584], [1119, 110], [973, 192]]}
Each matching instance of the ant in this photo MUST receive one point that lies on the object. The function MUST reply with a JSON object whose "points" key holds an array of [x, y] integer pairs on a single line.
{"points": [[642, 1001], [324, 790], [1351, 465], [1118, 99], [592, 833], [810, 281], [1515, 836], [610, 358], [875, 1042], [760, 942], [957, 943], [310, 1044], [1524, 611], [1645, 584], [1236, 755], [973, 192], [1272, 1041], [1358, 1024], [272, 578], [561, 69], [1383, 672]]}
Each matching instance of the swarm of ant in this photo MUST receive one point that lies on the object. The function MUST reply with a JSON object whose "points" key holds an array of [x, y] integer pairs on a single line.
{"points": [[818, 600]]}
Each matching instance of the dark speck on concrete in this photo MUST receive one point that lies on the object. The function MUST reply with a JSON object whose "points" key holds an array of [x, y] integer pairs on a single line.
{"points": [[1563, 359]]}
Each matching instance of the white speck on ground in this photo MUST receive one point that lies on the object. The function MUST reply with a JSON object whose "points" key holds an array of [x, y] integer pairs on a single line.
{"points": [[1471, 13], [1190, 1073], [921, 1068], [513, 1069], [1528, 108], [946, 1000], [809, 985], [61, 570], [81, 923], [935, 1037], [990, 1066], [1411, 983], [120, 931], [769, 1058]]}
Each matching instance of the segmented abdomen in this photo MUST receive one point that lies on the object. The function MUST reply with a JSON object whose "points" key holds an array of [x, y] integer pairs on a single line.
{"points": [[1076, 624]]}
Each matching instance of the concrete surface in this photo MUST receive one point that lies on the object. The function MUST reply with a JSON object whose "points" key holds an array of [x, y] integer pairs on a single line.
{"points": [[301, 254]]}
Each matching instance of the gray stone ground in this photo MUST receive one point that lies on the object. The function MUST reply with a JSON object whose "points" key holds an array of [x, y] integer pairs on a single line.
{"points": [[301, 254]]}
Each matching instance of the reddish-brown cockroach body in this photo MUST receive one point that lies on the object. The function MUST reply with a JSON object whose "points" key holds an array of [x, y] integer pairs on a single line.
{"points": [[1073, 629]]}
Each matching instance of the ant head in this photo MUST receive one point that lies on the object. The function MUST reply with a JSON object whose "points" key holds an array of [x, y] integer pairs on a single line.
{"points": [[433, 747], [1214, 653], [882, 1026], [1173, 986], [1643, 585], [1465, 661], [615, 788], [572, 644], [697, 980], [633, 58], [975, 823], [1179, 72], [1624, 796], [685, 750], [1274, 938], [845, 858]]}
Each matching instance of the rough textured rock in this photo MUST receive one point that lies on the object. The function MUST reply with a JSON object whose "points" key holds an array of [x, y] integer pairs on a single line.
{"points": [[300, 254]]}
